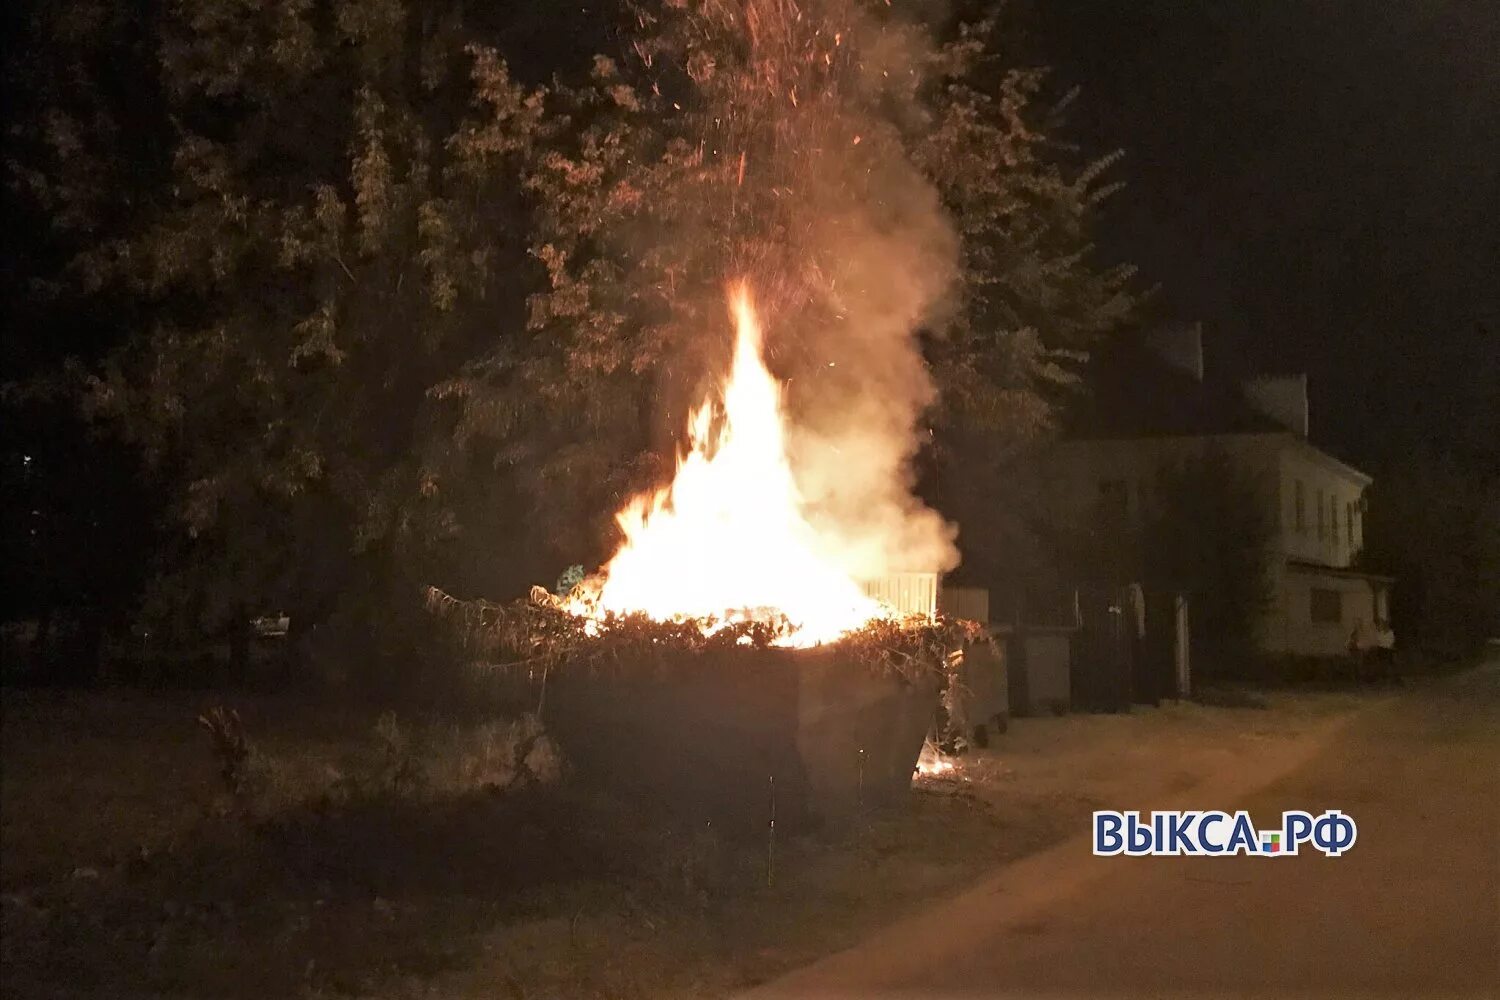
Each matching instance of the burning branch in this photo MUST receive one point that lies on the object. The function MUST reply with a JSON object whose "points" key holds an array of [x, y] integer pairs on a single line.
{"points": [[538, 634]]}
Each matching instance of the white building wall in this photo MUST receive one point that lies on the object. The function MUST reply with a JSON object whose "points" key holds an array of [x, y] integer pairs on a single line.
{"points": [[1303, 635], [1079, 468], [1286, 465], [1319, 497]]}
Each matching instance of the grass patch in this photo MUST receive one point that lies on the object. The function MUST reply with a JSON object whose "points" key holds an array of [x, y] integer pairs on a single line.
{"points": [[346, 852]]}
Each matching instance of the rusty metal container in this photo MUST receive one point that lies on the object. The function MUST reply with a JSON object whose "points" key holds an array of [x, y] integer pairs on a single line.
{"points": [[715, 738]]}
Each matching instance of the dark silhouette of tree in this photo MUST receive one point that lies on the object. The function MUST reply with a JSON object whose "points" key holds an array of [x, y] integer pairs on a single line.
{"points": [[1210, 534], [1204, 529], [392, 317], [1434, 524]]}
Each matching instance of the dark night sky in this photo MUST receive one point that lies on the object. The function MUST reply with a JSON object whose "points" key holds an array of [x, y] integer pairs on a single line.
{"points": [[1319, 182]]}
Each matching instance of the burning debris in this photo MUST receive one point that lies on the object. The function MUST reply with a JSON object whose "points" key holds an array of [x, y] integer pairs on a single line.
{"points": [[733, 507], [725, 555], [701, 716], [532, 636], [932, 762], [728, 621], [734, 615]]}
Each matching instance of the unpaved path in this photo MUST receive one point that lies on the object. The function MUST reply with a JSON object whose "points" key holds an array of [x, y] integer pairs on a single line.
{"points": [[1412, 910]]}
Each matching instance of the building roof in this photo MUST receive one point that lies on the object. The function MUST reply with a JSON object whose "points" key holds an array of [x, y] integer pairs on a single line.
{"points": [[1132, 392]]}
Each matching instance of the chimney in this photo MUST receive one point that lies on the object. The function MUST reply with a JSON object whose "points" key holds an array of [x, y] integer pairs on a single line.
{"points": [[1179, 345], [1283, 398]]}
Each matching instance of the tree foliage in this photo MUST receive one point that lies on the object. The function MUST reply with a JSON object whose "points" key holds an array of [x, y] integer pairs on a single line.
{"points": [[390, 315], [1203, 527], [1434, 524], [320, 187], [1211, 536]]}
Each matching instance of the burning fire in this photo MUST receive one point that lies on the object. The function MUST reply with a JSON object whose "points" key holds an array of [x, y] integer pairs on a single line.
{"points": [[932, 762], [728, 539]]}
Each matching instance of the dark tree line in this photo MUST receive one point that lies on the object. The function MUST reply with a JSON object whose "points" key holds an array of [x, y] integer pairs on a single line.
{"points": [[386, 293], [1434, 523]]}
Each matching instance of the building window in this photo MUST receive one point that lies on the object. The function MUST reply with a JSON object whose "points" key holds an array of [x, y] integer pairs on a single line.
{"points": [[1349, 523], [1326, 605], [1333, 520], [1322, 518], [1299, 506]]}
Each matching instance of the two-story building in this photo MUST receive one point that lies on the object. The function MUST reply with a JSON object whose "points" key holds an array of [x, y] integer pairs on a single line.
{"points": [[1151, 410]]}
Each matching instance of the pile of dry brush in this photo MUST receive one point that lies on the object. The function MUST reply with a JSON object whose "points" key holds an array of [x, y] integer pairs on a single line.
{"points": [[536, 635]]}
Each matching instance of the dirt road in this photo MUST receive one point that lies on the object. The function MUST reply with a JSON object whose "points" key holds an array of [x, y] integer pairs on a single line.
{"points": [[1412, 910]]}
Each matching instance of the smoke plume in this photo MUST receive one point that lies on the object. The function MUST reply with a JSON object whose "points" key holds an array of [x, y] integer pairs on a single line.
{"points": [[872, 256]]}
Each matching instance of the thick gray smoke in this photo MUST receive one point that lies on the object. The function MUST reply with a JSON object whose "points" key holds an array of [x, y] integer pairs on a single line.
{"points": [[882, 256], [858, 431]]}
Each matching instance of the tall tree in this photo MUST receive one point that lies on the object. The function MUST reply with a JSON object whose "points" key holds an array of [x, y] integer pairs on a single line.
{"points": [[895, 192], [1212, 536], [1434, 523], [312, 212], [395, 317]]}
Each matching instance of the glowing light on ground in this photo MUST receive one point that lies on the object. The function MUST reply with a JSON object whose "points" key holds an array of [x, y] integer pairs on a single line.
{"points": [[932, 762], [728, 540]]}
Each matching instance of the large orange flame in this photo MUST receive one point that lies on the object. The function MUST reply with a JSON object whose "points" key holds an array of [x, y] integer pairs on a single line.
{"points": [[728, 539]]}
